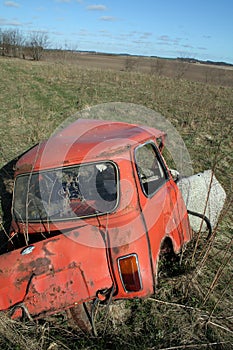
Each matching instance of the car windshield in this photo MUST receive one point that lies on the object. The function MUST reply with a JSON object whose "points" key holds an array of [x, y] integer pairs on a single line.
{"points": [[66, 193]]}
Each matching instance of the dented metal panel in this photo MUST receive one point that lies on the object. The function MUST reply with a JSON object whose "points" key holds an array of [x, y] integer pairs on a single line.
{"points": [[56, 274]]}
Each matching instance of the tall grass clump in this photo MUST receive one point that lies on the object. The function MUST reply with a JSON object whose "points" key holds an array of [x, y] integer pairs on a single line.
{"points": [[193, 304]]}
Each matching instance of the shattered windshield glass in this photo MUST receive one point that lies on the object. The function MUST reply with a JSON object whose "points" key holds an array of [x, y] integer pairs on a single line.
{"points": [[66, 193]]}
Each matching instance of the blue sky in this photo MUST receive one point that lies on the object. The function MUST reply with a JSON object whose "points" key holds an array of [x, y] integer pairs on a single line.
{"points": [[168, 28]]}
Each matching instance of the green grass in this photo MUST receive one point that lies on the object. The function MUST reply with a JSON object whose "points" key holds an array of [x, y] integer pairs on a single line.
{"points": [[190, 309]]}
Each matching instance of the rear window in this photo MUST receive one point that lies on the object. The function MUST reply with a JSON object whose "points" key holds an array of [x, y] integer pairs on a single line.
{"points": [[66, 193]]}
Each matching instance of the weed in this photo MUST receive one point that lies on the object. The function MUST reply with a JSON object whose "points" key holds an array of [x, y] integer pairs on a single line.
{"points": [[192, 309]]}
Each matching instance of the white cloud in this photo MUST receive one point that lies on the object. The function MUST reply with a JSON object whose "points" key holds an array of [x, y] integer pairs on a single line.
{"points": [[96, 8], [141, 42], [187, 46], [108, 18], [146, 35], [68, 1], [11, 4], [164, 38], [41, 31], [105, 33], [5, 22], [84, 33], [57, 33], [63, 1], [40, 9]]}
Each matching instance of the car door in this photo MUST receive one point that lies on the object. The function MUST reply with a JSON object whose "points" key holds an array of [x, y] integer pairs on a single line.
{"points": [[154, 195]]}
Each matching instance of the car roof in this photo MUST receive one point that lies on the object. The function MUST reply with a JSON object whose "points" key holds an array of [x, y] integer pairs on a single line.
{"points": [[85, 140]]}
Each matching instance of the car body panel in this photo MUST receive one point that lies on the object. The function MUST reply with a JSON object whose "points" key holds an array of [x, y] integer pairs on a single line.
{"points": [[56, 273]]}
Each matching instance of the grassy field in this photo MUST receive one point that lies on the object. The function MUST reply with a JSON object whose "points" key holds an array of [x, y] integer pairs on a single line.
{"points": [[192, 310], [171, 68]]}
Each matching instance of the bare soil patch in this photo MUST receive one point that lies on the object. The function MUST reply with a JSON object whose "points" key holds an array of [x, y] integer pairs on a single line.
{"points": [[172, 68]]}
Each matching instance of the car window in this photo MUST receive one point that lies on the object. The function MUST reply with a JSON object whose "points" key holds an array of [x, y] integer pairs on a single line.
{"points": [[150, 169], [65, 193]]}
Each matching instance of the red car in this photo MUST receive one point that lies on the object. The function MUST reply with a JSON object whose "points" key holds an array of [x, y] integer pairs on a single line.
{"points": [[92, 209]]}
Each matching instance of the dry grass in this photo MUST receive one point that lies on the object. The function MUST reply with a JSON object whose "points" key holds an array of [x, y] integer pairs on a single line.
{"points": [[171, 68], [191, 309]]}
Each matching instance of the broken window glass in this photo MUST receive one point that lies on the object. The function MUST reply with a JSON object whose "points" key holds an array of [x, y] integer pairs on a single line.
{"points": [[67, 192]]}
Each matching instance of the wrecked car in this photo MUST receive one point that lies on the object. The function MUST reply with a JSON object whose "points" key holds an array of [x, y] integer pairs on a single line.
{"points": [[94, 207]]}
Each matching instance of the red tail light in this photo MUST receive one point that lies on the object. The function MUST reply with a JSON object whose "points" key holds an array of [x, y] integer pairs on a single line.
{"points": [[129, 272]]}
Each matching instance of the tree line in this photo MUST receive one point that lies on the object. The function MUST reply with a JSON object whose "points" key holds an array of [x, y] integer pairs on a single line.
{"points": [[15, 43]]}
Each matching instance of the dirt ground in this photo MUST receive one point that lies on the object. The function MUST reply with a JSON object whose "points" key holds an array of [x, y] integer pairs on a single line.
{"points": [[173, 68]]}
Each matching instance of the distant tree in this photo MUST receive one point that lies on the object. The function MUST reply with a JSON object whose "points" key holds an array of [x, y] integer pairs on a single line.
{"points": [[130, 63], [5, 42], [209, 74], [37, 42], [16, 41], [157, 66], [11, 42], [181, 66], [1, 41]]}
